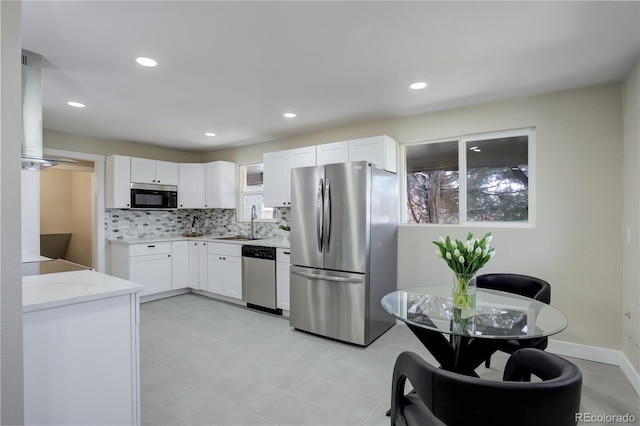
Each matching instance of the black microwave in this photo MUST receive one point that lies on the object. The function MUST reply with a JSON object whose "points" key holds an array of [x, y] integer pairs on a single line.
{"points": [[150, 196]]}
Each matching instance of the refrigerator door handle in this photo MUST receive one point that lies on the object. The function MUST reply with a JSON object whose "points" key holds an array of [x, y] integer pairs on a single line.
{"points": [[319, 215], [327, 277], [327, 215]]}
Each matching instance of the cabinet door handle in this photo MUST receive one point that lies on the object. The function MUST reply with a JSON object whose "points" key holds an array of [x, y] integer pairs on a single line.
{"points": [[286, 252], [168, 255], [151, 246]]}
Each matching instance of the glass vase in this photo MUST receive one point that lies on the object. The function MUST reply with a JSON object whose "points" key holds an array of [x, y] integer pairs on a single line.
{"points": [[464, 291]]}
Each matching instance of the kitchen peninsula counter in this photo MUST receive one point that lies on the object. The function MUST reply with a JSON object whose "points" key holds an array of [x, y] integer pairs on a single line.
{"points": [[81, 340], [67, 288]]}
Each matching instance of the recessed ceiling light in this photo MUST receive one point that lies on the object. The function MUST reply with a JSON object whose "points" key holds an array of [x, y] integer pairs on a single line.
{"points": [[209, 134], [289, 114], [418, 85], [75, 104], [146, 62]]}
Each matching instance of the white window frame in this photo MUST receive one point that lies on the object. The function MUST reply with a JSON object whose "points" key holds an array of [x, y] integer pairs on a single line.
{"points": [[241, 193], [462, 168]]}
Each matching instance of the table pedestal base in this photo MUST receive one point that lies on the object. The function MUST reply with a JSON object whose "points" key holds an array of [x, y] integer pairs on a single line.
{"points": [[461, 354]]}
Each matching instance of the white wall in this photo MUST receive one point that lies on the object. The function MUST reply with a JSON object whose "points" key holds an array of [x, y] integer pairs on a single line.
{"points": [[30, 208], [11, 383], [53, 140], [631, 217]]}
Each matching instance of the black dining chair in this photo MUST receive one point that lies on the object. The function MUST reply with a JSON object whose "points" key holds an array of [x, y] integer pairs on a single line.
{"points": [[445, 398], [524, 285]]}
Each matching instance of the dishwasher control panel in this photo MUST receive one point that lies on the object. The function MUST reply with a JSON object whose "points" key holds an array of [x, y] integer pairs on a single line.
{"points": [[259, 252]]}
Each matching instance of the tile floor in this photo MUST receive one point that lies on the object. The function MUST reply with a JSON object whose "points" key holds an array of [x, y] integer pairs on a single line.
{"points": [[205, 362]]}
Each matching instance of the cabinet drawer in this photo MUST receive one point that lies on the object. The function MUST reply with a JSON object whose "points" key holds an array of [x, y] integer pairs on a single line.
{"points": [[224, 249], [149, 248], [283, 255]]}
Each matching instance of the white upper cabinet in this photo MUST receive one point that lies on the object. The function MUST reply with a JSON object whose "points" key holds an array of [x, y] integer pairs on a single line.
{"points": [[220, 185], [379, 150], [191, 188], [167, 173], [332, 153], [277, 173], [118, 182], [144, 170], [210, 185], [302, 157]]}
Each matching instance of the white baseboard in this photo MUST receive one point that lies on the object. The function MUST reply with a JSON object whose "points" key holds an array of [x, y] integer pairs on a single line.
{"points": [[162, 295], [589, 353], [593, 353]]}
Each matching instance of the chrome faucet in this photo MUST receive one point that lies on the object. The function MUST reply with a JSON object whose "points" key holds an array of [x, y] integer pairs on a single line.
{"points": [[254, 215]]}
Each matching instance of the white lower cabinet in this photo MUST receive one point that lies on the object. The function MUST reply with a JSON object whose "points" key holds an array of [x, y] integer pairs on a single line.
{"points": [[233, 276], [164, 266], [179, 265], [282, 278], [147, 264], [198, 265], [224, 269]]}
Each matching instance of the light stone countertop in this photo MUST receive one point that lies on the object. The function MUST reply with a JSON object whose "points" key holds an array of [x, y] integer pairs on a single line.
{"points": [[67, 288], [266, 242]]}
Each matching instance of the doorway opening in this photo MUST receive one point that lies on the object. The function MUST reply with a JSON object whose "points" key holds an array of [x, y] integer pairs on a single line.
{"points": [[67, 217], [72, 201]]}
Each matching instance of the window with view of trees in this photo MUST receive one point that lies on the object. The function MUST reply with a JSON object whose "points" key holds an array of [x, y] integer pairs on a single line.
{"points": [[482, 178]]}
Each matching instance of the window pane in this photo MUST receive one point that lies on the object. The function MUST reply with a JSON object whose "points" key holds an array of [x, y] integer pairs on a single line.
{"points": [[249, 200], [432, 183], [253, 178], [498, 180]]}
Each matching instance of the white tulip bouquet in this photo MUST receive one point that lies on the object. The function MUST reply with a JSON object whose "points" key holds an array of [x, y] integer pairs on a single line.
{"points": [[465, 259]]}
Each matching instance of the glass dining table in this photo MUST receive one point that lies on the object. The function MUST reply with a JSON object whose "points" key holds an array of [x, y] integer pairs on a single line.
{"points": [[461, 340]]}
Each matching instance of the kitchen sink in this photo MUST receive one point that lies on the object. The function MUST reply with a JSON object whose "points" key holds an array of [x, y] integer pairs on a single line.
{"points": [[192, 234], [238, 238]]}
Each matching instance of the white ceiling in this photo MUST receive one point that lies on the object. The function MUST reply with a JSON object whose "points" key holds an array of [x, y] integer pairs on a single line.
{"points": [[234, 68]]}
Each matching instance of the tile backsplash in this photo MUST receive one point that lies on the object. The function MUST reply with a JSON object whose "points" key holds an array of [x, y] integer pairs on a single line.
{"points": [[132, 224]]}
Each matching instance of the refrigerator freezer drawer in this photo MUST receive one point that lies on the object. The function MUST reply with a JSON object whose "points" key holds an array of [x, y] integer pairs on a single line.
{"points": [[330, 303]]}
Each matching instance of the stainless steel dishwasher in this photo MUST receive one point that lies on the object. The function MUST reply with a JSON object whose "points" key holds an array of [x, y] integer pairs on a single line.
{"points": [[259, 278]]}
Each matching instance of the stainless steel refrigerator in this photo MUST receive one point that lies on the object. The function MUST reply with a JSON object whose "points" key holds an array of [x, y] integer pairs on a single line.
{"points": [[344, 223]]}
